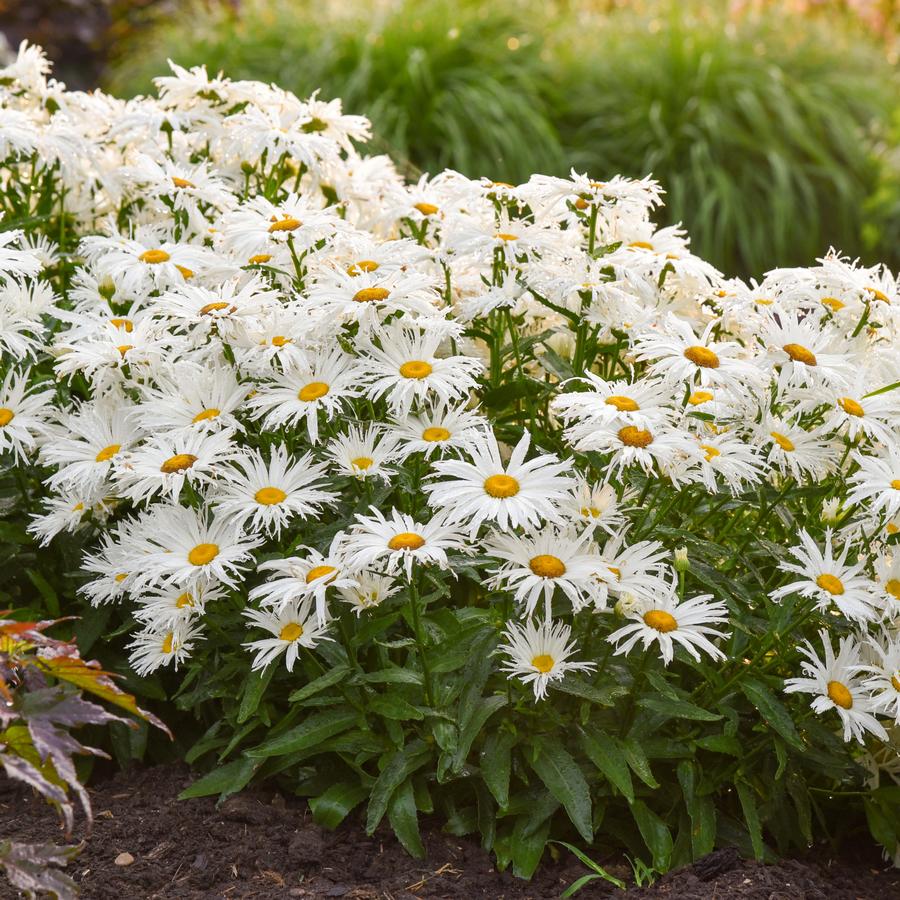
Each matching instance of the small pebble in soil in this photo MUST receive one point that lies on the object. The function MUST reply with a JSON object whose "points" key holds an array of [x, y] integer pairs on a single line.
{"points": [[124, 859]]}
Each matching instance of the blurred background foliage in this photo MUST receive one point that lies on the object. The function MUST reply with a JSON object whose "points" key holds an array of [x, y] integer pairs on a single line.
{"points": [[773, 125]]}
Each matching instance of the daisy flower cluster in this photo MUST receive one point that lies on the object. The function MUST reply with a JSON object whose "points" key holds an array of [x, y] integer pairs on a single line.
{"points": [[260, 372]]}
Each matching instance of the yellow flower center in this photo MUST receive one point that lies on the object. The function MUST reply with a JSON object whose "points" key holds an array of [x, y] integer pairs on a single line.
{"points": [[362, 462], [259, 258], [178, 463], [320, 572], [895, 484], [641, 245], [832, 303], [362, 265], [543, 662], [622, 404], [878, 295], [435, 434], [893, 588], [406, 540], [124, 348], [291, 631], [168, 643], [501, 486], [427, 209], [698, 398], [783, 441], [371, 295], [851, 407], [506, 236], [895, 681], [581, 203], [799, 353], [288, 223], [184, 600], [831, 583], [127, 324], [78, 507], [107, 453], [154, 256], [891, 528], [214, 307], [206, 415], [711, 452], [702, 356], [660, 620], [547, 566], [6, 416], [631, 436], [270, 496], [280, 340], [416, 368], [203, 554], [120, 577], [312, 391], [840, 695], [182, 182], [591, 511], [186, 273]]}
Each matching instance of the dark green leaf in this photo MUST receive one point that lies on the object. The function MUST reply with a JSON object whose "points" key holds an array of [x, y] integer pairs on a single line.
{"points": [[404, 819], [313, 730], [565, 781], [332, 807]]}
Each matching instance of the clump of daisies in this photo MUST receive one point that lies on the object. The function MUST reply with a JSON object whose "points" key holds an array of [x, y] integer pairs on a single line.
{"points": [[470, 466]]}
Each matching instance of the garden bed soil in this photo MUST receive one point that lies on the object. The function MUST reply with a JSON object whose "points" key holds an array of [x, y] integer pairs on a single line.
{"points": [[263, 845]]}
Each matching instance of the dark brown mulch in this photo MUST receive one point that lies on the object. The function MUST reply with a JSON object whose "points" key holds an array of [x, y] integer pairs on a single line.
{"points": [[263, 846]]}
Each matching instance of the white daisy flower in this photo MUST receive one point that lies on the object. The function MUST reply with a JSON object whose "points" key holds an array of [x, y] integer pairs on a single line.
{"points": [[438, 427], [187, 548], [368, 592], [518, 495], [667, 622], [597, 506], [828, 579], [535, 566], [322, 383], [292, 626], [539, 653], [884, 683], [309, 576], [364, 452], [398, 541], [154, 648], [796, 451], [406, 369], [269, 496], [876, 484], [24, 414], [837, 683], [167, 461]]}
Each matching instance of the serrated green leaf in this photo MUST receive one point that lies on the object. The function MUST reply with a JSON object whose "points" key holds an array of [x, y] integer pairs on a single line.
{"points": [[564, 779], [772, 710], [313, 730], [330, 808], [496, 764], [721, 743], [330, 678], [255, 687], [678, 709], [656, 835], [608, 757], [404, 819], [751, 817], [603, 695], [479, 714], [393, 707], [398, 767], [224, 780], [637, 760]]}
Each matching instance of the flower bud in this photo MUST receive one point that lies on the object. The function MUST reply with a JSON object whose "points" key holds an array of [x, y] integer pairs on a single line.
{"points": [[681, 559]]}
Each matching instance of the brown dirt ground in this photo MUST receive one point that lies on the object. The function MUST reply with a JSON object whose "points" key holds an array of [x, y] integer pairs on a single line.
{"points": [[261, 845]]}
